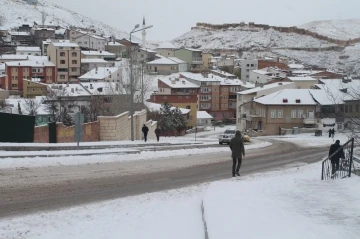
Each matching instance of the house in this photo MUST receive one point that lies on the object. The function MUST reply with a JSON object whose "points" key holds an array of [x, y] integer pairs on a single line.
{"points": [[107, 56], [67, 58], [127, 43], [222, 62], [178, 92], [204, 119], [2, 69], [21, 38], [327, 75], [191, 56], [294, 67], [16, 72], [89, 64], [243, 121], [9, 57], [166, 66], [41, 34], [303, 82], [266, 75], [87, 40], [116, 48], [166, 49], [286, 108], [44, 46], [60, 34], [223, 74], [102, 74], [207, 58], [246, 67], [27, 50], [33, 88]]}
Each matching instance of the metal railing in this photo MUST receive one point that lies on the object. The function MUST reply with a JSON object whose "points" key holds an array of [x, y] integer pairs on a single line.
{"points": [[341, 168]]}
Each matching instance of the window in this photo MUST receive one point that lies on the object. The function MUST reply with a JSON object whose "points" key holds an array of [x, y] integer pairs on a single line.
{"points": [[293, 114], [74, 54], [62, 61], [273, 114], [74, 69], [357, 108], [85, 42], [14, 85], [247, 70], [300, 113], [62, 77], [252, 65], [33, 89], [74, 61], [62, 53], [280, 114], [188, 107]]}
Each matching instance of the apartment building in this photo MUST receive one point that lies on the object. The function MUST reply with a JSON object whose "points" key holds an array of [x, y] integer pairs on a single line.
{"points": [[16, 72], [265, 75], [249, 65], [87, 40], [23, 50], [89, 64], [102, 74], [67, 59], [107, 56], [166, 49], [192, 57]]}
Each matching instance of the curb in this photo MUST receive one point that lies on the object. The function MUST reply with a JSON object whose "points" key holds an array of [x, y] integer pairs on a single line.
{"points": [[66, 155]]}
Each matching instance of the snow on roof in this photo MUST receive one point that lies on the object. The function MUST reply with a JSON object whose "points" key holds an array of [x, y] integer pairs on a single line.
{"points": [[156, 107], [162, 61], [175, 82], [302, 78], [13, 57], [38, 58], [166, 45], [334, 88], [305, 72], [97, 53], [69, 89], [99, 73], [324, 98], [291, 95], [42, 110], [103, 88], [223, 73], [115, 44], [30, 63], [203, 115], [192, 49], [261, 72], [93, 60], [28, 48], [65, 44], [200, 77], [148, 50], [60, 31], [264, 87], [20, 33], [231, 82], [177, 60], [296, 66]]}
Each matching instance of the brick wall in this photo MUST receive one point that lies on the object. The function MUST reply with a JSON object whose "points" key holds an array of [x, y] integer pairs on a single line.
{"points": [[41, 134]]}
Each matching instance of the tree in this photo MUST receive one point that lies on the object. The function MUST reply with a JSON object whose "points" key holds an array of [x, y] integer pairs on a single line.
{"points": [[171, 118], [3, 106], [19, 108], [32, 106]]}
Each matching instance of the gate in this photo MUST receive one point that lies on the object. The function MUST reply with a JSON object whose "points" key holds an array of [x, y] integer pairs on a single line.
{"points": [[52, 132], [16, 128]]}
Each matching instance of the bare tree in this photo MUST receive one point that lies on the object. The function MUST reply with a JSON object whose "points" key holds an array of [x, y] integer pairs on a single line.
{"points": [[4, 107], [31, 107]]}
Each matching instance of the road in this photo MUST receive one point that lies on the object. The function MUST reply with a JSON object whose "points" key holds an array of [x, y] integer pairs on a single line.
{"points": [[29, 190]]}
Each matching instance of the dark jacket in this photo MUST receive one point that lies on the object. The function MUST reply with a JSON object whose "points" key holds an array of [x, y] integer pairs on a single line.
{"points": [[340, 154], [237, 146], [145, 129], [157, 132]]}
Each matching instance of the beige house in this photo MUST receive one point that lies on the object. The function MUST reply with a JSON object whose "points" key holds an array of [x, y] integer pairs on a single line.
{"points": [[286, 108], [33, 88], [116, 48], [206, 59], [67, 58], [243, 112], [303, 82], [166, 49], [166, 66]]}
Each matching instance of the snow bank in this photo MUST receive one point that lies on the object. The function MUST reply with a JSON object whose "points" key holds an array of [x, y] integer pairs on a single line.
{"points": [[290, 204]]}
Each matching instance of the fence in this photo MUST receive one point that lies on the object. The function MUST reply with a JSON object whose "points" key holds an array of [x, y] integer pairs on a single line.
{"points": [[331, 169]]}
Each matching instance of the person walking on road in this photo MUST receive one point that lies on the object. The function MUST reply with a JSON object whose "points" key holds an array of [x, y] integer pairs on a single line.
{"points": [[157, 133], [335, 159], [145, 130], [237, 152], [333, 133], [330, 133]]}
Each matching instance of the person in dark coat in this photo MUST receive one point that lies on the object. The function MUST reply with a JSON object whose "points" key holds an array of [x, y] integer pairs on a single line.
{"points": [[237, 152], [330, 133], [157, 133], [333, 133], [145, 130], [335, 159]]}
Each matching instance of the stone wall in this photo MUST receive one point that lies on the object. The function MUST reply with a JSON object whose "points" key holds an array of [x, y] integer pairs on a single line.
{"points": [[41, 134]]}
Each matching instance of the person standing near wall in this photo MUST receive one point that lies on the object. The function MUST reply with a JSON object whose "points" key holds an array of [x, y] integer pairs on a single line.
{"points": [[145, 131], [157, 133]]}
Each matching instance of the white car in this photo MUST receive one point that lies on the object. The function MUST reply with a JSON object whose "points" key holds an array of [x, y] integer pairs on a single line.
{"points": [[227, 136]]}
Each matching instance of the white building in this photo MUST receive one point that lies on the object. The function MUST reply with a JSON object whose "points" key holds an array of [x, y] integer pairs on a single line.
{"points": [[22, 50], [265, 75], [88, 40], [89, 64], [246, 67], [107, 56], [183, 66], [204, 119], [102, 74]]}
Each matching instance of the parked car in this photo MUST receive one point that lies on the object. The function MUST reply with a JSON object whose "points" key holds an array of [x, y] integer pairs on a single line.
{"points": [[229, 134]]}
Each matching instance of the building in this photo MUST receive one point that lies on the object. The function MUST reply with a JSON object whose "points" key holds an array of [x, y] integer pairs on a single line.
{"points": [[107, 56], [191, 56], [21, 38], [9, 57], [207, 59], [27, 50], [67, 59], [16, 72], [41, 34], [60, 34], [204, 119], [249, 65], [116, 48], [33, 88], [303, 82], [266, 75], [246, 67], [295, 67], [166, 49], [222, 62], [87, 40], [223, 74], [102, 74], [89, 64], [244, 113], [166, 66]]}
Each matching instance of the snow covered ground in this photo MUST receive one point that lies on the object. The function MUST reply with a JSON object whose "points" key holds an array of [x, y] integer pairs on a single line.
{"points": [[30, 162], [292, 203], [285, 204]]}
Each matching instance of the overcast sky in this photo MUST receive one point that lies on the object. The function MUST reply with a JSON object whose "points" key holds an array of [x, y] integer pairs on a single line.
{"points": [[173, 18]]}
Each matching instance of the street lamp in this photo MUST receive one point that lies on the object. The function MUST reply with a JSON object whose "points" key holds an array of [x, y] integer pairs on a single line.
{"points": [[131, 80]]}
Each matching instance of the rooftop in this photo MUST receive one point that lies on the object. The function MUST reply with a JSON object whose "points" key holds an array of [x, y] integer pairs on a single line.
{"points": [[203, 115], [296, 66], [30, 63], [20, 33], [148, 50], [200, 77], [223, 73], [115, 44], [65, 44], [99, 73], [177, 60], [13, 57], [166, 45], [156, 107], [175, 82], [93, 60], [103, 88], [292, 97], [97, 53], [264, 87], [162, 61], [28, 48], [302, 78], [69, 89]]}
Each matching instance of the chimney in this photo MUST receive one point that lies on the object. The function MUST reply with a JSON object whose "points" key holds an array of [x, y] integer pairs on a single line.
{"points": [[285, 100], [91, 86], [297, 100]]}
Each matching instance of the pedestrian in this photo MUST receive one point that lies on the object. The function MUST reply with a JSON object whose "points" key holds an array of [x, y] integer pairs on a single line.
{"points": [[145, 130], [333, 133], [335, 159], [157, 133], [330, 133], [237, 152]]}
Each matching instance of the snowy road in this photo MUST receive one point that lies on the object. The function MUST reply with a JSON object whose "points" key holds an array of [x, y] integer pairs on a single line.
{"points": [[29, 190]]}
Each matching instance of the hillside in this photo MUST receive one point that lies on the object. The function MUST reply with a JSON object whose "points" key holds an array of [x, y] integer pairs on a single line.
{"points": [[246, 38], [18, 12], [337, 29]]}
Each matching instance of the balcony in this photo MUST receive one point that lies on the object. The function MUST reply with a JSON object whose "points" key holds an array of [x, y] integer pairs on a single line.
{"points": [[196, 60], [309, 121]]}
